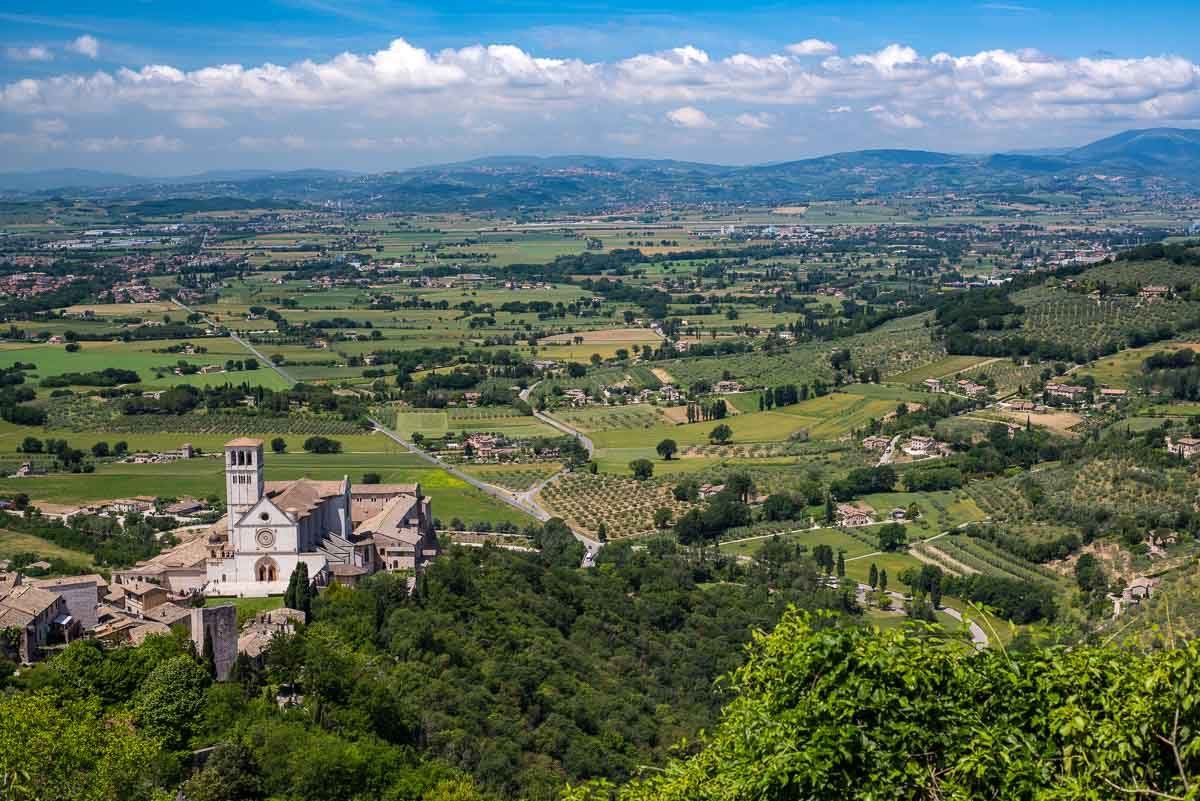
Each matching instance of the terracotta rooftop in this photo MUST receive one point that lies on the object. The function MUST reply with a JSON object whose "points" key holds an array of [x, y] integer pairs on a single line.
{"points": [[30, 599], [243, 442], [303, 494], [67, 581]]}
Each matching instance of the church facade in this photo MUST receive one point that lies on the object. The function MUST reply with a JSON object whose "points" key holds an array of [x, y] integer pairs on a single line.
{"points": [[338, 530]]}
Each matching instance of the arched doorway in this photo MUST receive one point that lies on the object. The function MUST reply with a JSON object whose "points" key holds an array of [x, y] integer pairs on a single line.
{"points": [[265, 569]]}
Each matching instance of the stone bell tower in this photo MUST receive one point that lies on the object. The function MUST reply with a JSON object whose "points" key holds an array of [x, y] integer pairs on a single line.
{"points": [[243, 477]]}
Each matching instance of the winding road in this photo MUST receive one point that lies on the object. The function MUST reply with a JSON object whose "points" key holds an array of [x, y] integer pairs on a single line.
{"points": [[525, 501], [284, 374]]}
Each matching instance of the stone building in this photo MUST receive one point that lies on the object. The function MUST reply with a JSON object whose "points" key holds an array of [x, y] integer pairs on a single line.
{"points": [[220, 624], [272, 526]]}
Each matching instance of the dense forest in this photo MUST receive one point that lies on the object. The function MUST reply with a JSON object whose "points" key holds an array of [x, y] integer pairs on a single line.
{"points": [[501, 676], [841, 713]]}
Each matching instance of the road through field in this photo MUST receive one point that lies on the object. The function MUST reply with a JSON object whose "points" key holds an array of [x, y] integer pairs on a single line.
{"points": [[263, 360], [525, 502]]}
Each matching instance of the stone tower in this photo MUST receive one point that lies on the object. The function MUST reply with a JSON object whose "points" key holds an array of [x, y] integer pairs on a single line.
{"points": [[243, 477], [221, 624]]}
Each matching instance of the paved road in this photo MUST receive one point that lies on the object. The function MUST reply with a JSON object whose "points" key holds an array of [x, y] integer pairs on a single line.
{"points": [[889, 455], [570, 431], [979, 637], [263, 360], [524, 502]]}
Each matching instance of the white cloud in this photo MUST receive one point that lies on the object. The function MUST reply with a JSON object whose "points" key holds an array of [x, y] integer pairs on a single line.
{"points": [[85, 46], [35, 53], [758, 122], [114, 144], [689, 117], [197, 120], [267, 144], [812, 47], [53, 125], [500, 89], [896, 119]]}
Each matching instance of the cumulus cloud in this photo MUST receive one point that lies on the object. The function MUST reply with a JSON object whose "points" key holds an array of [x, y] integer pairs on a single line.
{"points": [[85, 46], [35, 53], [53, 125], [489, 89], [267, 144], [896, 119], [689, 117], [197, 120], [112, 144], [758, 122], [812, 47]]}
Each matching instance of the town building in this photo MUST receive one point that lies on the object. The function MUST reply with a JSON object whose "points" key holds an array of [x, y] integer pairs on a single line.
{"points": [[1186, 447], [849, 515], [1068, 392], [37, 618]]}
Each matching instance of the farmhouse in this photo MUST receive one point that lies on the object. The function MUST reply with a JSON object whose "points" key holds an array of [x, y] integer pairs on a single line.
{"points": [[136, 505], [727, 387], [875, 443], [970, 388], [1187, 447], [848, 515], [933, 384], [1066, 391], [1152, 292], [920, 446]]}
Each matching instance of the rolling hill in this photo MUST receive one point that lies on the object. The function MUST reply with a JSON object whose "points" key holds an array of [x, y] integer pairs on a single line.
{"points": [[1160, 159]]}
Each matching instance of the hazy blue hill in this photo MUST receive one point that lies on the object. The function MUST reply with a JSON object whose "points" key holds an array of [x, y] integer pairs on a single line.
{"points": [[1158, 159], [42, 180]]}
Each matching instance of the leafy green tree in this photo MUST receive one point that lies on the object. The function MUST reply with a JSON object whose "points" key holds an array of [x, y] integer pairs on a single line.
{"points": [[721, 434], [779, 506], [278, 445], [229, 774], [171, 699], [642, 469], [892, 537], [68, 750], [1036, 724], [559, 547], [667, 448], [662, 517]]}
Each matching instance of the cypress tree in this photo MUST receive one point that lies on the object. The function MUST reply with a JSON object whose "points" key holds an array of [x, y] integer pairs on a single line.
{"points": [[873, 576], [210, 653], [883, 580], [841, 564], [303, 590]]}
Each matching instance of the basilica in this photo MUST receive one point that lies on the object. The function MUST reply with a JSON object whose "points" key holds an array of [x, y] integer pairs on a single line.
{"points": [[339, 530]]}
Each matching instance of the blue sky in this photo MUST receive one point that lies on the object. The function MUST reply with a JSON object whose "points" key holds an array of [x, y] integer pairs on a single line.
{"points": [[172, 87]]}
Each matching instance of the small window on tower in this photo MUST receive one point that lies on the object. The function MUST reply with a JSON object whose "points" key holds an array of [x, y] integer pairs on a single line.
{"points": [[264, 516]]}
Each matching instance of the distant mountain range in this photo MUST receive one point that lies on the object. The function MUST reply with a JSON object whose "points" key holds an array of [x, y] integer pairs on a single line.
{"points": [[1165, 159]]}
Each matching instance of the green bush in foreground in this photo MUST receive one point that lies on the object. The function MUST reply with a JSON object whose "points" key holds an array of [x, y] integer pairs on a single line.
{"points": [[845, 713]]}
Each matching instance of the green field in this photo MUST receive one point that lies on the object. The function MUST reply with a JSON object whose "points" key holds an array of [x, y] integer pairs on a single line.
{"points": [[203, 477], [15, 542]]}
